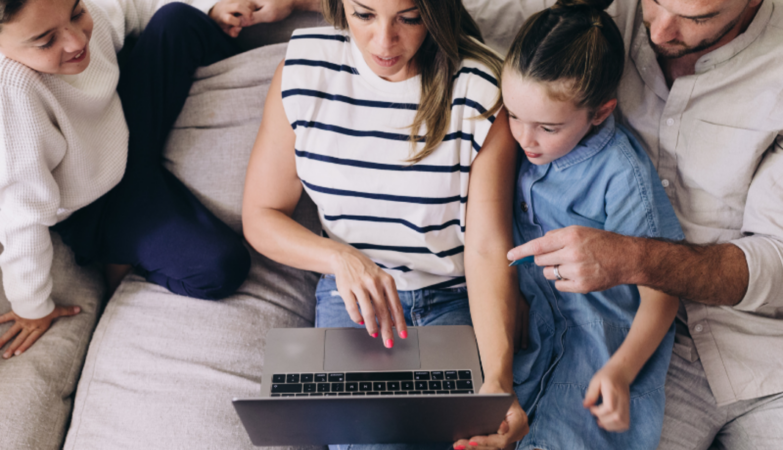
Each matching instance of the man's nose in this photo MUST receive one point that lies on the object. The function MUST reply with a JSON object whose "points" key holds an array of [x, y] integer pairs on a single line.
{"points": [[663, 28]]}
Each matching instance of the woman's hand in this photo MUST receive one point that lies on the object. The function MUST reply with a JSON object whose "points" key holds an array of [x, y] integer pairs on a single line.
{"points": [[613, 386], [233, 15], [511, 430], [370, 295], [27, 331]]}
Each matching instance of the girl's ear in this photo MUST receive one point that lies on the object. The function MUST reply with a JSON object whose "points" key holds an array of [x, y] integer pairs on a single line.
{"points": [[604, 111]]}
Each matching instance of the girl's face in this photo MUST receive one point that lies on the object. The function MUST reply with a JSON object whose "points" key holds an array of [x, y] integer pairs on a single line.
{"points": [[389, 33], [546, 128], [49, 36]]}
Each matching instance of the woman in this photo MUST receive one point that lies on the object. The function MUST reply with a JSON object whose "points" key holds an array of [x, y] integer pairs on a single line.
{"points": [[388, 121]]}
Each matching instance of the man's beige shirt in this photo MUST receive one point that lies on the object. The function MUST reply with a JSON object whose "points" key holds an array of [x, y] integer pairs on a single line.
{"points": [[716, 138]]}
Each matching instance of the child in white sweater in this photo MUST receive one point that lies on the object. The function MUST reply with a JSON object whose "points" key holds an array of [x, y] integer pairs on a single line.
{"points": [[70, 161]]}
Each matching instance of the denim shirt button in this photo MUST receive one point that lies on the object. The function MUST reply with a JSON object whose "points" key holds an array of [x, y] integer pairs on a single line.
{"points": [[523, 205]]}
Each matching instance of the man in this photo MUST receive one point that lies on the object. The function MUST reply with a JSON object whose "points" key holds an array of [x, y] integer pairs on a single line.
{"points": [[703, 90]]}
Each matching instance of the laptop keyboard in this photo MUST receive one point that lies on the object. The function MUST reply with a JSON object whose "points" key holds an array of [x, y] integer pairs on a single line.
{"points": [[436, 382]]}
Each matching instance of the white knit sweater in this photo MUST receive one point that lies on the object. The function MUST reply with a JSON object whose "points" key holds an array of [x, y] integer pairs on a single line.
{"points": [[63, 144]]}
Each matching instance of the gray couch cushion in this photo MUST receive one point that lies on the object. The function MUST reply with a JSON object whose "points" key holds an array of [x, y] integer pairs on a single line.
{"points": [[162, 369], [37, 387]]}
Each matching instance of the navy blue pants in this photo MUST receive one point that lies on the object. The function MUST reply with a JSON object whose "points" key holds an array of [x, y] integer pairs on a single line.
{"points": [[150, 219]]}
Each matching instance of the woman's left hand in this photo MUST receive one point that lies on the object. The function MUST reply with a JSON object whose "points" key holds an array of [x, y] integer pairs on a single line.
{"points": [[511, 430]]}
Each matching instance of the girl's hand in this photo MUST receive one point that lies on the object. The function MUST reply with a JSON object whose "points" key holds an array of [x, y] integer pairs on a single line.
{"points": [[233, 15], [370, 295], [27, 331], [613, 386], [511, 430]]}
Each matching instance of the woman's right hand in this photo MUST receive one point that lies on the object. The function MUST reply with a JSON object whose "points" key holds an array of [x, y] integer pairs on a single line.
{"points": [[370, 295]]}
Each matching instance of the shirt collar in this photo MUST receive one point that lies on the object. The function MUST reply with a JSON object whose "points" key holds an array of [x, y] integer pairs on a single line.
{"points": [[589, 146]]}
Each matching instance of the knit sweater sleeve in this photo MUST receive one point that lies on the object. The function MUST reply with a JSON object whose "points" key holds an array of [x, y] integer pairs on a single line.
{"points": [[31, 147], [130, 17]]}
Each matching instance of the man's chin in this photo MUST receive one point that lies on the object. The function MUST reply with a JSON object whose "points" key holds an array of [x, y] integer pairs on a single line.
{"points": [[672, 52]]}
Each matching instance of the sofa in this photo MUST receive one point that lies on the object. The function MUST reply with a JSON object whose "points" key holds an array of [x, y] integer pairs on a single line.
{"points": [[147, 369]]}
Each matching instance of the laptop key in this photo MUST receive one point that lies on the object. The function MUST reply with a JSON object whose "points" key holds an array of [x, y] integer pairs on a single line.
{"points": [[407, 385], [378, 376], [336, 377], [323, 387], [358, 393], [450, 385], [275, 395], [365, 386], [320, 378], [428, 392], [288, 395], [393, 385], [316, 395], [286, 388], [387, 393], [352, 387], [461, 392], [292, 378], [443, 392], [464, 384], [309, 387], [464, 374], [338, 387], [331, 394], [421, 386], [451, 375], [379, 386], [421, 375], [344, 393], [414, 393], [372, 393], [400, 393], [278, 378], [302, 395], [435, 386], [437, 375], [306, 378]]}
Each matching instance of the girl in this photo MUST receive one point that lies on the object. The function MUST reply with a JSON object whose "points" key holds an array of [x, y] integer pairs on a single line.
{"points": [[388, 122], [66, 159], [598, 357]]}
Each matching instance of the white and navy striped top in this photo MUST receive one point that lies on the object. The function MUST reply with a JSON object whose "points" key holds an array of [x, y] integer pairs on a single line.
{"points": [[352, 146]]}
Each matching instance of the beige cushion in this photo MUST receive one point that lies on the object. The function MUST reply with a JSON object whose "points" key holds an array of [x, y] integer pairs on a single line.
{"points": [[162, 369], [37, 387]]}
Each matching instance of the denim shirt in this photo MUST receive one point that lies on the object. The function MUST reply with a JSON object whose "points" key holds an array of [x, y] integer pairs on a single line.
{"points": [[607, 182]]}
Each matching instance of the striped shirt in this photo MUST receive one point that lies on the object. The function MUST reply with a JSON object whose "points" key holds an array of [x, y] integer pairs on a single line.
{"points": [[352, 146]]}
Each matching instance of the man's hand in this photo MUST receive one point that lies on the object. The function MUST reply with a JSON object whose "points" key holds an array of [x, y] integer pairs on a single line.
{"points": [[27, 331], [511, 430], [588, 259], [614, 412], [233, 15]]}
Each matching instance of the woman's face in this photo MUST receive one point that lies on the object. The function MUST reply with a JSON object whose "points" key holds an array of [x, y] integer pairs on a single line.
{"points": [[49, 36], [389, 33]]}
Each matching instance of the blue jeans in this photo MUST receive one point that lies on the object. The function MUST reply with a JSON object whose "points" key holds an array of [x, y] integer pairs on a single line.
{"points": [[150, 219], [422, 307]]}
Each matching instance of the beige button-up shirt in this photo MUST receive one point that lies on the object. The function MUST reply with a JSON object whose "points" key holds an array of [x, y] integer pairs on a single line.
{"points": [[716, 138]]}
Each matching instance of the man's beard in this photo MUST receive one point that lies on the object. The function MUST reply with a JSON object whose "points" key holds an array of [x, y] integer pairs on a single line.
{"points": [[683, 49]]}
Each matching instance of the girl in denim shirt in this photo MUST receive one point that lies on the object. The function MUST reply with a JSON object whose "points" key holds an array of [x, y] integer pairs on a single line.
{"points": [[591, 376]]}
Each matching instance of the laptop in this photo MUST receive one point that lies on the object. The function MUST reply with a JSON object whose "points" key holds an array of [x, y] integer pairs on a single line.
{"points": [[325, 386]]}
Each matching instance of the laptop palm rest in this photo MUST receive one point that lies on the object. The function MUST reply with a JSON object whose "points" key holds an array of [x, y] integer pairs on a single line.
{"points": [[354, 350]]}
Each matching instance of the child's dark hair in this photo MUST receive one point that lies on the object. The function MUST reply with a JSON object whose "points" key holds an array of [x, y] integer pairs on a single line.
{"points": [[9, 9], [573, 41]]}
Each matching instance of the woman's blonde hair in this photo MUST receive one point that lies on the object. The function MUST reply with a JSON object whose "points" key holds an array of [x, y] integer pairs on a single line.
{"points": [[452, 36]]}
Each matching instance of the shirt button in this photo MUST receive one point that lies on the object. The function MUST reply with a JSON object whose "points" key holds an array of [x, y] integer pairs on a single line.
{"points": [[670, 121], [698, 328], [665, 183], [523, 205]]}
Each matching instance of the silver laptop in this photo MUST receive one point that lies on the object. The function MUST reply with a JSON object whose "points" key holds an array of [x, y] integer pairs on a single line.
{"points": [[341, 386]]}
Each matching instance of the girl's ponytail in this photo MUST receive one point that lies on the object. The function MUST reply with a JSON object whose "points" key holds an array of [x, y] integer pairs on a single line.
{"points": [[575, 43]]}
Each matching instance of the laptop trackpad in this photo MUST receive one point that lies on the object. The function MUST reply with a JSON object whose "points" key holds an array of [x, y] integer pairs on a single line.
{"points": [[355, 350]]}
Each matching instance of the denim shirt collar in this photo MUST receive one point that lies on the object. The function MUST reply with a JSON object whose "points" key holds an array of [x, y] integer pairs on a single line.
{"points": [[589, 146]]}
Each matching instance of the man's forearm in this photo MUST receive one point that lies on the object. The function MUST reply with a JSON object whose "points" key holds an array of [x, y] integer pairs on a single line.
{"points": [[714, 274]]}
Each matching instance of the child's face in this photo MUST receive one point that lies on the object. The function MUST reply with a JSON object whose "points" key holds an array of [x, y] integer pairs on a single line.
{"points": [[545, 128], [49, 36], [389, 33]]}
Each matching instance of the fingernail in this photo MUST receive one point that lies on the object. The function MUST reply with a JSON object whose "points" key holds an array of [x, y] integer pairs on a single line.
{"points": [[361, 322], [389, 343], [77, 309], [459, 447], [473, 443], [17, 353], [375, 335], [404, 334]]}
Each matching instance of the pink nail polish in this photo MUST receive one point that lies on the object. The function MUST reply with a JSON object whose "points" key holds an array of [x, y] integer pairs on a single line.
{"points": [[375, 335], [473, 443], [361, 323], [404, 334], [389, 343], [459, 447]]}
